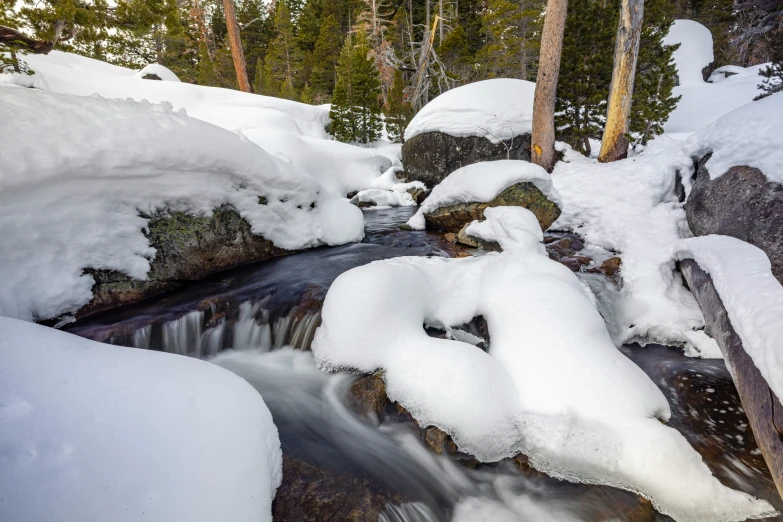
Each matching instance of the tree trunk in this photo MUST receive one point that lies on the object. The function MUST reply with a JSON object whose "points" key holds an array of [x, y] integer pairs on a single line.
{"points": [[764, 411], [543, 140], [236, 46], [12, 37], [614, 144]]}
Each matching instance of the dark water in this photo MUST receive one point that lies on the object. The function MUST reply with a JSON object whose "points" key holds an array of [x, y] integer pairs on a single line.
{"points": [[259, 309]]}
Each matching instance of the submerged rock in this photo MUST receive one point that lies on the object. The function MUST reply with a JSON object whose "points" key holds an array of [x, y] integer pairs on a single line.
{"points": [[431, 156], [188, 248], [452, 218], [742, 203]]}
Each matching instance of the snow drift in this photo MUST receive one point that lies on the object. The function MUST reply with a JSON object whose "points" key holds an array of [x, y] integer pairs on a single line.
{"points": [[95, 432], [552, 386], [76, 172]]}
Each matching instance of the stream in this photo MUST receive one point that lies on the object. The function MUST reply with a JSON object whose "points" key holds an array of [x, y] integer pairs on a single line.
{"points": [[258, 321]]}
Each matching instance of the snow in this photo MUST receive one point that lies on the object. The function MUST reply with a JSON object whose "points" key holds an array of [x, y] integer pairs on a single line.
{"points": [[481, 182], [751, 135], [34, 81], [75, 172], [702, 345], [702, 102], [552, 386], [161, 71], [629, 207], [753, 298], [384, 198], [496, 109], [96, 432]]}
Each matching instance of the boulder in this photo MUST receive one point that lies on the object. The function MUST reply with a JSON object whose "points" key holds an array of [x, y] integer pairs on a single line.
{"points": [[452, 218], [742, 203], [431, 156], [188, 248]]}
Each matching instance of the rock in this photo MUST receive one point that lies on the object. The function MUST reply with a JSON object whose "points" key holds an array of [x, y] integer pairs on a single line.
{"points": [[574, 263], [188, 248], [610, 266], [151, 76], [367, 396], [418, 194], [451, 237], [742, 203], [310, 493], [465, 239], [452, 218], [431, 156]]}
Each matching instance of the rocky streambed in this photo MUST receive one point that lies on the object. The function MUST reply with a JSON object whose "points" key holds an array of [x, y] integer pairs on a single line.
{"points": [[351, 454]]}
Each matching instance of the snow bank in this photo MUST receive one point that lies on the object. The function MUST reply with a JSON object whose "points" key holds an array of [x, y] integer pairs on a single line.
{"points": [[751, 135], [95, 432], [553, 385], [702, 102], [162, 72], [384, 198], [753, 298], [496, 109], [33, 81], [629, 207], [75, 172], [481, 182]]}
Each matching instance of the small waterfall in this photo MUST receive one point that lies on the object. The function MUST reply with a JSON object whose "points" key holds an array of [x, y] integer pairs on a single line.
{"points": [[183, 336], [410, 512], [142, 337]]}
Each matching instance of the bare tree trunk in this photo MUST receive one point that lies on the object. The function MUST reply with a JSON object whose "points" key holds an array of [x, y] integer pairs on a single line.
{"points": [[543, 140], [236, 46], [440, 29], [13, 37], [614, 144]]}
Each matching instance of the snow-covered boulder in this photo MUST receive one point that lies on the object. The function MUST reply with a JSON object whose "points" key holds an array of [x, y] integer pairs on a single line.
{"points": [[137, 196], [738, 189], [92, 431], [464, 194], [156, 71], [552, 386], [481, 121]]}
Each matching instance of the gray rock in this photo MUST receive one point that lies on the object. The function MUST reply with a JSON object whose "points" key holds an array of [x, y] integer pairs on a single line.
{"points": [[431, 156], [742, 203]]}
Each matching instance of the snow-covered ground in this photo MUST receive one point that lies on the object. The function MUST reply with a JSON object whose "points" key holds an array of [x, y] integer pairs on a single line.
{"points": [[702, 102], [552, 386], [90, 431]]}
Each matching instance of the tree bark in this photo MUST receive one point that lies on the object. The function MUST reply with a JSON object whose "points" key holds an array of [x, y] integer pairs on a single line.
{"points": [[236, 46], [764, 411], [614, 144], [13, 38], [542, 146]]}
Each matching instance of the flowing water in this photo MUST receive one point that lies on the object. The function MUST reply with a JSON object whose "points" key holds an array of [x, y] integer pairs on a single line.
{"points": [[258, 321]]}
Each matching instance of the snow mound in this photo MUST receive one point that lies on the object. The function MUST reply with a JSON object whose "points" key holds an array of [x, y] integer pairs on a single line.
{"points": [[751, 135], [161, 71], [753, 298], [629, 207], [496, 109], [481, 182], [702, 102], [552, 386], [384, 198], [32, 81], [76, 172], [96, 432]]}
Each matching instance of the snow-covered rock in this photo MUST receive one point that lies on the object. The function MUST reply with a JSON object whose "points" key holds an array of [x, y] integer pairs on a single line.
{"points": [[466, 192], [158, 71], [552, 386], [702, 102], [78, 175], [96, 432], [481, 121]]}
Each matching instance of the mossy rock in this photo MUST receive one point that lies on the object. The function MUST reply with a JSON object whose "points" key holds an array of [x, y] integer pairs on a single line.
{"points": [[452, 218]]}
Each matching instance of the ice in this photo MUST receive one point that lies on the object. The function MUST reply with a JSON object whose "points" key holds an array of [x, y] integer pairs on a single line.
{"points": [[95, 432], [76, 172], [496, 109], [753, 298], [481, 182], [552, 386]]}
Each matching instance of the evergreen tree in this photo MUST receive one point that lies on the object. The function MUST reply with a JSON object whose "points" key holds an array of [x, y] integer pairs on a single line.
{"points": [[454, 54], [356, 108], [283, 61], [655, 74], [325, 56], [773, 73], [513, 33], [309, 25], [398, 112], [257, 33]]}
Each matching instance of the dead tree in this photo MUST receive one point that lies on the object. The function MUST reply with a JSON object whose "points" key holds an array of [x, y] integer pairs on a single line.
{"points": [[236, 46], [543, 139], [614, 144]]}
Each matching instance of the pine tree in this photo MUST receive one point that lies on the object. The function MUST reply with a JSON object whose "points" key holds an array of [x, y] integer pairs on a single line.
{"points": [[454, 53], [356, 108], [655, 74], [513, 33], [325, 56], [398, 111], [283, 61], [257, 33], [773, 73]]}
